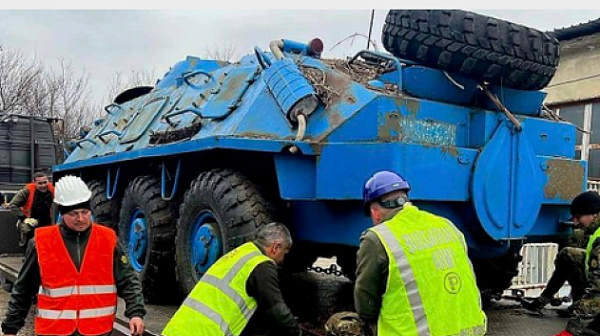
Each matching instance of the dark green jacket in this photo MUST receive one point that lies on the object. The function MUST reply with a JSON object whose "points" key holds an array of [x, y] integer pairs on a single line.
{"points": [[272, 312], [40, 209], [28, 281], [580, 236], [371, 275]]}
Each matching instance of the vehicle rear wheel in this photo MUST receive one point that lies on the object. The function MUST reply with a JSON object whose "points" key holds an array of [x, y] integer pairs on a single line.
{"points": [[346, 259], [473, 45], [300, 258], [495, 275], [221, 210], [146, 232]]}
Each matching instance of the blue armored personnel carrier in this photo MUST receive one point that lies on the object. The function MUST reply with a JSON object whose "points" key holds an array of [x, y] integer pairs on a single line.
{"points": [[188, 169]]}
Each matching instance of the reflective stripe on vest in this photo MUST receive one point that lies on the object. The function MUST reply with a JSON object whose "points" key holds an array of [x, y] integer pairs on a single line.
{"points": [[219, 305], [99, 312], [72, 314], [223, 286], [71, 290], [408, 278], [431, 288], [57, 314], [69, 299], [208, 312]]}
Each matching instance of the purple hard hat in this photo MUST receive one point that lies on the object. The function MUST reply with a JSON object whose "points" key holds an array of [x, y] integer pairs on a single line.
{"points": [[381, 183]]}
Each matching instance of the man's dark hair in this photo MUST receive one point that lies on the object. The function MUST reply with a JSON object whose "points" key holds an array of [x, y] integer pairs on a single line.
{"points": [[271, 233], [38, 174]]}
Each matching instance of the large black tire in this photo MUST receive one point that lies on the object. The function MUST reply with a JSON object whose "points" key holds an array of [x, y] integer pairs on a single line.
{"points": [[105, 211], [239, 209], [496, 274], [346, 259], [157, 274], [474, 45], [300, 258]]}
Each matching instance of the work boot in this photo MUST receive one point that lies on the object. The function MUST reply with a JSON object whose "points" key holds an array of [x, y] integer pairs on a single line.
{"points": [[535, 304], [580, 326]]}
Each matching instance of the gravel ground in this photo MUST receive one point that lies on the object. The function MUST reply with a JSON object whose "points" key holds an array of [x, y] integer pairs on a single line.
{"points": [[28, 328]]}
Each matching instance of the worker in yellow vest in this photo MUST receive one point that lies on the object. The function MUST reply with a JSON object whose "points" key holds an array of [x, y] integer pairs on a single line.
{"points": [[413, 274], [239, 284]]}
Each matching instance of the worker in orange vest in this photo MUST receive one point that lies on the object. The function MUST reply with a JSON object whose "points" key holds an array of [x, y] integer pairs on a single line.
{"points": [[33, 206], [76, 268]]}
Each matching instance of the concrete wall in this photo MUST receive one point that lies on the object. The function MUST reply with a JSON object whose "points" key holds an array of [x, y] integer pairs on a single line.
{"points": [[578, 75]]}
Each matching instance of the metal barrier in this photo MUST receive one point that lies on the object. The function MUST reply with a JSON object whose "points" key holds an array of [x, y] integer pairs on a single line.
{"points": [[536, 267]]}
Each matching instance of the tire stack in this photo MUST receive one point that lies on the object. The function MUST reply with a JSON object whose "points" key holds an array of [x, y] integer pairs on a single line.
{"points": [[477, 46]]}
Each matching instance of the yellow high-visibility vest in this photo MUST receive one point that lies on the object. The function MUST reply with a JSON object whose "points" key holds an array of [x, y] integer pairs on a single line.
{"points": [[219, 305], [588, 250], [431, 288]]}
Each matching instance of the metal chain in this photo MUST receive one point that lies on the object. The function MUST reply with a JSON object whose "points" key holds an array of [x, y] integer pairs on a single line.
{"points": [[332, 270]]}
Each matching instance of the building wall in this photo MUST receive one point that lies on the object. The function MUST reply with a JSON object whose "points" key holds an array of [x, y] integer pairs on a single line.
{"points": [[578, 76], [575, 93]]}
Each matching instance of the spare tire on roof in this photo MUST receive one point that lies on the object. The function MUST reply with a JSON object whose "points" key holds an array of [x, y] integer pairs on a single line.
{"points": [[473, 45]]}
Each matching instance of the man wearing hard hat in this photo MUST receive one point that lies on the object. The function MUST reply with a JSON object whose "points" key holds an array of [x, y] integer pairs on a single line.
{"points": [[76, 268]]}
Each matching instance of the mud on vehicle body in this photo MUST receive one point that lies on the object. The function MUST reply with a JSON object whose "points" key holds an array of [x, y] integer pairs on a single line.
{"points": [[194, 165]]}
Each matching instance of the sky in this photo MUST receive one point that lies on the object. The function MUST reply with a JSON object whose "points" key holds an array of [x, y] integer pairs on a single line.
{"points": [[103, 42]]}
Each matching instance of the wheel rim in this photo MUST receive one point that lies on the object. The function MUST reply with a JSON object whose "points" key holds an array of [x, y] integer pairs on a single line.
{"points": [[206, 243], [138, 240]]}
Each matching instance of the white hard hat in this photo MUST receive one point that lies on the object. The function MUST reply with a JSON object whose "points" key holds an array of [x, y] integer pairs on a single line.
{"points": [[71, 190]]}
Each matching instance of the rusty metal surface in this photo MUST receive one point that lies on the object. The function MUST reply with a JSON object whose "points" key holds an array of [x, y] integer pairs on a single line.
{"points": [[362, 72], [396, 127], [565, 179], [331, 86]]}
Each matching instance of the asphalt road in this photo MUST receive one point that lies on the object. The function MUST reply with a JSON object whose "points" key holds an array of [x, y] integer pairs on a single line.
{"points": [[314, 297]]}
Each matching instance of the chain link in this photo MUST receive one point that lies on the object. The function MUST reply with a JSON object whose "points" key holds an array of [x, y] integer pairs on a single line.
{"points": [[332, 270]]}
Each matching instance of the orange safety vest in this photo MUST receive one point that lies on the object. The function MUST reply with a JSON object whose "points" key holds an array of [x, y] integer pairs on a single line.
{"points": [[70, 300], [26, 209]]}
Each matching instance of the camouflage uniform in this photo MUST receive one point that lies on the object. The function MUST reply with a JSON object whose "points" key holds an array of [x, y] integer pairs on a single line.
{"points": [[570, 265], [345, 324], [588, 304]]}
